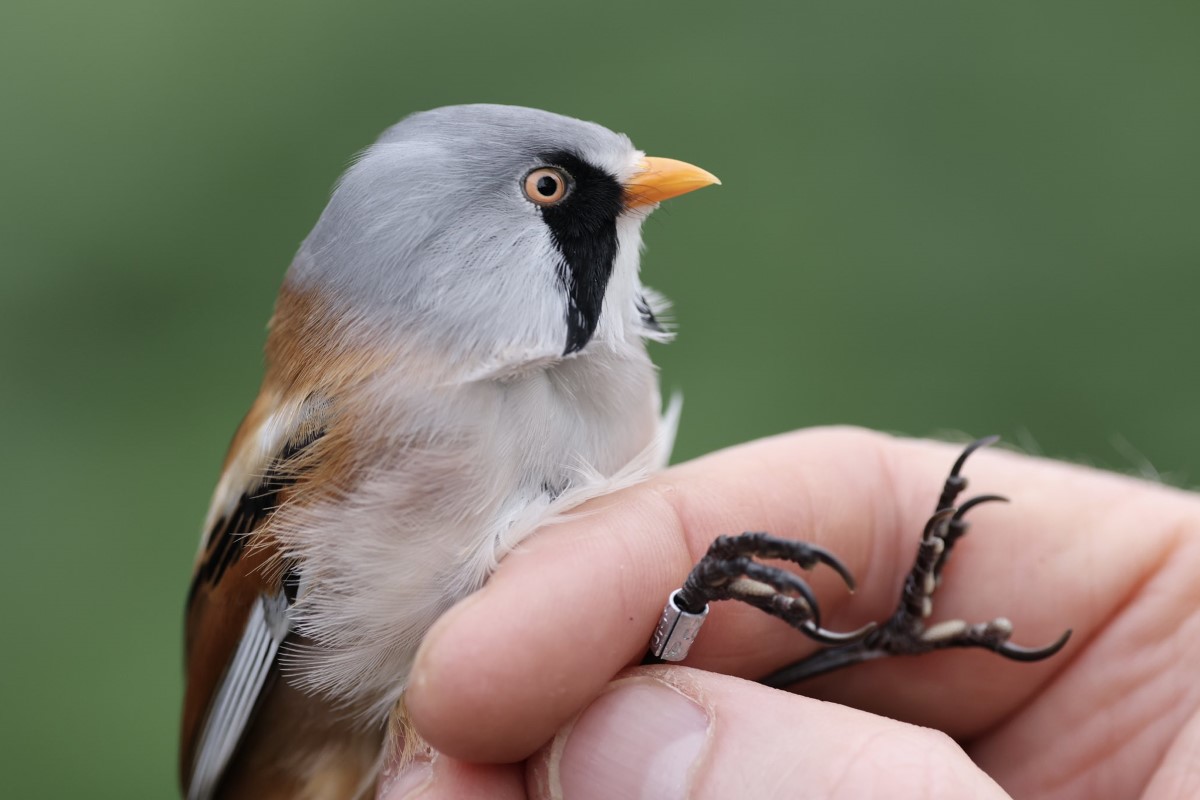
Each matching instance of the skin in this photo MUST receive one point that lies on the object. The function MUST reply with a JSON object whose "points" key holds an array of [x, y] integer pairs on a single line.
{"points": [[505, 679]]}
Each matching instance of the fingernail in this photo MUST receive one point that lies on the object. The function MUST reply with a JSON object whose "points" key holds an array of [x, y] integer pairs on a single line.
{"points": [[418, 676], [416, 776], [641, 739]]}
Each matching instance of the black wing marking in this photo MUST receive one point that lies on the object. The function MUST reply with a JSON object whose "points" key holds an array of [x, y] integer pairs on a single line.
{"points": [[230, 533], [230, 703]]}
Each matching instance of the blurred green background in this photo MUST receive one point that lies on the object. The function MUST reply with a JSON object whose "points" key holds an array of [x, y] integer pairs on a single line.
{"points": [[935, 217]]}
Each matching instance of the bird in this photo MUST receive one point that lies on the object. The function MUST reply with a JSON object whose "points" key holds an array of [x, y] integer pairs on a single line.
{"points": [[457, 354]]}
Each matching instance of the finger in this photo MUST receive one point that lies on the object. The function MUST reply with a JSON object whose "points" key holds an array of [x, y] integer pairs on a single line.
{"points": [[435, 776], [1178, 774], [1103, 726], [672, 732], [503, 670]]}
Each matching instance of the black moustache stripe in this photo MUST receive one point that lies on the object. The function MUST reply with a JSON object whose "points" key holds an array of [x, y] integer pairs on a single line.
{"points": [[584, 229]]}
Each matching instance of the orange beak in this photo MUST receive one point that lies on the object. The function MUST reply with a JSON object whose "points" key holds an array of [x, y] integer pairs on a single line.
{"points": [[659, 179]]}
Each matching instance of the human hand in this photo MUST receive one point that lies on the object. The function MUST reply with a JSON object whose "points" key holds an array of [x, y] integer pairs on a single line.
{"points": [[503, 675]]}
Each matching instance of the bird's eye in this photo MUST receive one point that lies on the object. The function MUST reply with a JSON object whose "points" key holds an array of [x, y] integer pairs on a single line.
{"points": [[546, 185]]}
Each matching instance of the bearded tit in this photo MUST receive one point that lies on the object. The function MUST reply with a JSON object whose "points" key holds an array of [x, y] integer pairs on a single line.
{"points": [[457, 353]]}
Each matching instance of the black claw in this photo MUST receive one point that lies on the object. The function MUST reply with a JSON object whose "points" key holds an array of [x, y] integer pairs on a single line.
{"points": [[1017, 653], [955, 483], [936, 521], [958, 527], [978, 501], [811, 599], [819, 634], [971, 448], [833, 562]]}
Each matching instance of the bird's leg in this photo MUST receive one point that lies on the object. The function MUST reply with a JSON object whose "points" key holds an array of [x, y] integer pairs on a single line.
{"points": [[905, 632], [728, 571]]}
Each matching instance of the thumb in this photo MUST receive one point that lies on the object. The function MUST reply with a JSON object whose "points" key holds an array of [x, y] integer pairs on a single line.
{"points": [[673, 732]]}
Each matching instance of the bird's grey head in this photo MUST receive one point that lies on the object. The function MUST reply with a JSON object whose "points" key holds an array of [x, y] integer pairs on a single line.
{"points": [[491, 235]]}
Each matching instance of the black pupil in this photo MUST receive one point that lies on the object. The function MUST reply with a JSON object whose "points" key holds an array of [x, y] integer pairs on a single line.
{"points": [[547, 186]]}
